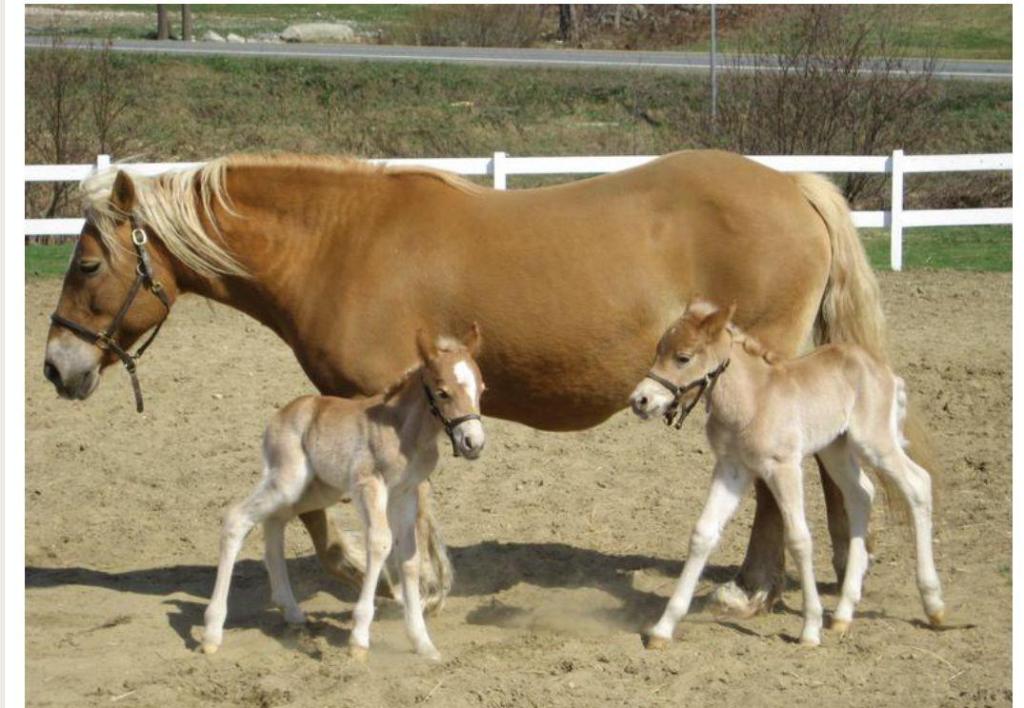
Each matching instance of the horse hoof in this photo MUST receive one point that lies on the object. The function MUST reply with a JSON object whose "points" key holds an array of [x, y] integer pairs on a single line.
{"points": [[731, 599], [840, 627], [810, 641], [358, 653], [937, 618], [295, 618], [210, 648], [431, 654], [653, 642]]}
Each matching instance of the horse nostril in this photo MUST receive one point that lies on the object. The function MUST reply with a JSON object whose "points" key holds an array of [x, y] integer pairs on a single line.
{"points": [[643, 401], [469, 443], [52, 373]]}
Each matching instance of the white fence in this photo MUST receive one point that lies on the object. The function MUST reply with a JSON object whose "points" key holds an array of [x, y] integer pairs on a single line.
{"points": [[500, 166]]}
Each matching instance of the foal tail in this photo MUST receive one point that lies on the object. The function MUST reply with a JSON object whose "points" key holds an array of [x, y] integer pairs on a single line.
{"points": [[851, 307]]}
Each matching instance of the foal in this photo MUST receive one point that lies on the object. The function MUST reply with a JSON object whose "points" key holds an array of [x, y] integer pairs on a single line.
{"points": [[764, 418], [319, 449]]}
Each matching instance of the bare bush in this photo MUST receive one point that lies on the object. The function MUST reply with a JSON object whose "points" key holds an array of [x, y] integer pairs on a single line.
{"points": [[477, 25], [828, 80], [76, 106]]}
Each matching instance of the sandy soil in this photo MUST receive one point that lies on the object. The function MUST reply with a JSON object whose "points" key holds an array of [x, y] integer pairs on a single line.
{"points": [[564, 545]]}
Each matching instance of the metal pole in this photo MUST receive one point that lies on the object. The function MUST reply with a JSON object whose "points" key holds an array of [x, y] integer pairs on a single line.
{"points": [[714, 72]]}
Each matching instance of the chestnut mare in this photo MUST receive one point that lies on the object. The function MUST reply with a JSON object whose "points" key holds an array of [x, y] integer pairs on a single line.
{"points": [[573, 284]]}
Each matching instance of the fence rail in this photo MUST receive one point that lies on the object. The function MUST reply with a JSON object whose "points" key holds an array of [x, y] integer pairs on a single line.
{"points": [[501, 166]]}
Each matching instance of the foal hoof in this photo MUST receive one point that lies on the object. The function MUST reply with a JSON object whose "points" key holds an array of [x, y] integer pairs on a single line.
{"points": [[810, 641], [209, 648], [840, 627], [358, 653], [653, 642], [938, 617]]}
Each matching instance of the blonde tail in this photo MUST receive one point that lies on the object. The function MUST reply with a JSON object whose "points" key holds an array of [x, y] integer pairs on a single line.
{"points": [[851, 307]]}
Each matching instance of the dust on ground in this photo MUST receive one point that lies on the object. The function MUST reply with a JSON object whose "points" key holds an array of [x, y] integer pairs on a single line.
{"points": [[564, 545]]}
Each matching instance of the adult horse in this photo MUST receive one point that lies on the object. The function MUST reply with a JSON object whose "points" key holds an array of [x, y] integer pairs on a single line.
{"points": [[573, 283]]}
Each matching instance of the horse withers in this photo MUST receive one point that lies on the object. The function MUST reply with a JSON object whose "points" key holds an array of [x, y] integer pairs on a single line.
{"points": [[765, 416], [319, 449]]}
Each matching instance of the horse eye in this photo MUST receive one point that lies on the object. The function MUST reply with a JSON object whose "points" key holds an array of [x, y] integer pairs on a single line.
{"points": [[682, 358], [441, 393], [89, 266]]}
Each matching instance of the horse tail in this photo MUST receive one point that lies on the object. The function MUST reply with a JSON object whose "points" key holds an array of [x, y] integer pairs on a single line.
{"points": [[851, 307]]}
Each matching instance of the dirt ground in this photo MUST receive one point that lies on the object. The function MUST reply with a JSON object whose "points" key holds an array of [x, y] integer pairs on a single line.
{"points": [[564, 545]]}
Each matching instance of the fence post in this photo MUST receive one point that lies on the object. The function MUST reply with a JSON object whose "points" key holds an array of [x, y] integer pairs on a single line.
{"points": [[896, 213], [498, 166], [102, 161]]}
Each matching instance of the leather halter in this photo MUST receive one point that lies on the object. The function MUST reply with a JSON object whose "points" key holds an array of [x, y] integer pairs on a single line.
{"points": [[706, 383], [449, 423], [106, 339]]}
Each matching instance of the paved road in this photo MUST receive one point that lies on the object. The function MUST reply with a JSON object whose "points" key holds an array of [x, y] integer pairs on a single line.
{"points": [[579, 58]]}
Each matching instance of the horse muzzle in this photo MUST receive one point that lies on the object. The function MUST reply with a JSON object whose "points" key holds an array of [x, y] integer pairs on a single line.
{"points": [[470, 439], [72, 369], [649, 400]]}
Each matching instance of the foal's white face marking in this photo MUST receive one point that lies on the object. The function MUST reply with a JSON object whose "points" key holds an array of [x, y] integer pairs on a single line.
{"points": [[464, 375], [469, 436]]}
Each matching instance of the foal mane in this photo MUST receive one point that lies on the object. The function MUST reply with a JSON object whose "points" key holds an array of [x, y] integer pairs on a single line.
{"points": [[167, 202], [703, 309]]}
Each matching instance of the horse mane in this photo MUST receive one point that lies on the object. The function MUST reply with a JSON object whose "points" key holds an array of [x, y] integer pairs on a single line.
{"points": [[395, 387], [752, 346], [702, 309], [167, 203]]}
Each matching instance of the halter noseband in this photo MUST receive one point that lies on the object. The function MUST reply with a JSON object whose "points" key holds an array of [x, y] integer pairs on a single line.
{"points": [[449, 423], [706, 383], [106, 339]]}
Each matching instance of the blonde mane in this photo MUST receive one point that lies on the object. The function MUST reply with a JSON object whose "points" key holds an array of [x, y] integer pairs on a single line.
{"points": [[702, 309], [166, 202]]}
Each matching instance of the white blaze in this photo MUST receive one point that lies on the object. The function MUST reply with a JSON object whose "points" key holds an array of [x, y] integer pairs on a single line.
{"points": [[464, 375]]}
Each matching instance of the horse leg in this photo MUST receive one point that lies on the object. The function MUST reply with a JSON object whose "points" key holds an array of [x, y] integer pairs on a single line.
{"points": [[436, 572], [238, 522], [404, 521], [786, 484], [838, 521], [858, 493], [759, 582], [336, 555], [373, 506], [916, 486], [727, 488], [280, 586]]}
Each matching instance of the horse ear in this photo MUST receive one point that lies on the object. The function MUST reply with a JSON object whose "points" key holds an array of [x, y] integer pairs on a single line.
{"points": [[717, 320], [472, 339], [122, 196], [425, 346]]}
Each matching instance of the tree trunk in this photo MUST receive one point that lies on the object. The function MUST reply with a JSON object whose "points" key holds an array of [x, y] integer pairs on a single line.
{"points": [[564, 22], [186, 23], [163, 25]]}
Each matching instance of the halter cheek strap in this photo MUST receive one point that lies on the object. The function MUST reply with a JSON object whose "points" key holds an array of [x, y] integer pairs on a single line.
{"points": [[106, 340], [705, 383], [450, 424]]}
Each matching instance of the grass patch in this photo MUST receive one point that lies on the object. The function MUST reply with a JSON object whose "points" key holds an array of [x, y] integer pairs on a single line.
{"points": [[50, 261], [951, 31], [982, 248]]}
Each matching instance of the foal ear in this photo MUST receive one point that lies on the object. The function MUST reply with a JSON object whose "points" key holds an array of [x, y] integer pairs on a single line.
{"points": [[122, 195], [718, 319], [472, 339], [425, 346]]}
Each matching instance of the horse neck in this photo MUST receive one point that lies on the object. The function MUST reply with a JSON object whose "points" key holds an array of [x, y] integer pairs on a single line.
{"points": [[734, 398], [274, 240], [410, 412]]}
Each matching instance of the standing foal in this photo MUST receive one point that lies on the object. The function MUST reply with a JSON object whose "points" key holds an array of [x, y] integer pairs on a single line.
{"points": [[764, 418], [319, 449]]}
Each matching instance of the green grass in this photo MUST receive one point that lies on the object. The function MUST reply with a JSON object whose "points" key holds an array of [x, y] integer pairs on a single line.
{"points": [[980, 248], [952, 31], [984, 248], [47, 261]]}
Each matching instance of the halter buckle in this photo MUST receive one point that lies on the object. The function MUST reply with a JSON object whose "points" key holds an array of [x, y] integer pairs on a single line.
{"points": [[139, 237]]}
